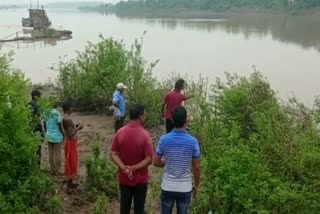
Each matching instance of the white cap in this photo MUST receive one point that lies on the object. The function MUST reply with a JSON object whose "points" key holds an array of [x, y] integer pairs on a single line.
{"points": [[121, 86]]}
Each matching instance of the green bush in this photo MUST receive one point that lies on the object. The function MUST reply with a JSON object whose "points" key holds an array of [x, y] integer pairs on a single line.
{"points": [[259, 154], [54, 205], [24, 188], [102, 176], [90, 79], [100, 207]]}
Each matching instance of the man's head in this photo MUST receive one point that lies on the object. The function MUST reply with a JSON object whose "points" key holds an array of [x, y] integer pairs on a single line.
{"points": [[35, 95], [121, 87], [179, 117], [180, 85], [67, 107], [137, 113]]}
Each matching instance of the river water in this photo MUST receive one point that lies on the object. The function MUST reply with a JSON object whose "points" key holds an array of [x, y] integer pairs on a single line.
{"points": [[285, 49]]}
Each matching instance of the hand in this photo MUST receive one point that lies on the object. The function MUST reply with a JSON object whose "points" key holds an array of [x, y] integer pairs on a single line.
{"points": [[129, 173], [79, 126], [196, 191], [162, 116]]}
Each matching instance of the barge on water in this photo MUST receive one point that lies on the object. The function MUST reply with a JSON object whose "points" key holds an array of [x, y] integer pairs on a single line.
{"points": [[37, 27]]}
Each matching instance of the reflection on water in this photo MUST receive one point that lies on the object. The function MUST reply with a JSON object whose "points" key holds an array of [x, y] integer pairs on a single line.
{"points": [[300, 30], [39, 43]]}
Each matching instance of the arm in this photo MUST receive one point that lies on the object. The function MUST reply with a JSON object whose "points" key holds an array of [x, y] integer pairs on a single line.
{"points": [[185, 97], [61, 129], [158, 162], [143, 164], [189, 97], [115, 104], [116, 159], [115, 101], [69, 128], [44, 126], [196, 169], [78, 128], [148, 153], [163, 106]]}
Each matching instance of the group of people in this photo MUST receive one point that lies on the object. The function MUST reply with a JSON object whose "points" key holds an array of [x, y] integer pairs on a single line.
{"points": [[57, 131], [132, 150], [177, 152]]}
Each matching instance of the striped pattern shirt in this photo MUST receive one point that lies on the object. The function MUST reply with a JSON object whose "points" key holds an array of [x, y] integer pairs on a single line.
{"points": [[178, 148]]}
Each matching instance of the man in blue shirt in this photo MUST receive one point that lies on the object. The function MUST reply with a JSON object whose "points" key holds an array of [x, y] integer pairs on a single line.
{"points": [[119, 104], [179, 153]]}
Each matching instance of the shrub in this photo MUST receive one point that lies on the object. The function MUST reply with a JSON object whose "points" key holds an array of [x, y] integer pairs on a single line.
{"points": [[100, 207], [259, 155], [101, 175], [54, 205], [91, 78], [24, 188]]}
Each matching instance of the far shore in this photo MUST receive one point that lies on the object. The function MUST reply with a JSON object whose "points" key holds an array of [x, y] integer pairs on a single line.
{"points": [[204, 14]]}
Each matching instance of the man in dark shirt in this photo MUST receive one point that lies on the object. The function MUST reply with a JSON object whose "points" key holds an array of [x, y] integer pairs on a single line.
{"points": [[172, 100], [132, 151], [38, 129]]}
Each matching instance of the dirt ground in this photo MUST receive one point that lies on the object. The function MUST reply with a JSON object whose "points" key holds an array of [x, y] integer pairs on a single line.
{"points": [[76, 203]]}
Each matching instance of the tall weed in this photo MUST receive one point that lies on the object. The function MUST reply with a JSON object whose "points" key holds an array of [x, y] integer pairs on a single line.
{"points": [[101, 175]]}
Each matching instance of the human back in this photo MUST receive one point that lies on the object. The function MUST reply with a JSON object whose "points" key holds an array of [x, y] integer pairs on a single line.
{"points": [[173, 100], [179, 154], [132, 140], [132, 152], [179, 149], [53, 133]]}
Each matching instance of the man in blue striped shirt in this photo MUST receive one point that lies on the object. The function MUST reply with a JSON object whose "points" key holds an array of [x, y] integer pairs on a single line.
{"points": [[179, 153]]}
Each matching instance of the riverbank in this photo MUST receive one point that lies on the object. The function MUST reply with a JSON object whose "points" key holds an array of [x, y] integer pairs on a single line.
{"points": [[77, 202], [183, 13]]}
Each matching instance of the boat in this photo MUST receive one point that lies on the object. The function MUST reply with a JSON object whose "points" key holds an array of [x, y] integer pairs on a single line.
{"points": [[38, 19], [37, 26]]}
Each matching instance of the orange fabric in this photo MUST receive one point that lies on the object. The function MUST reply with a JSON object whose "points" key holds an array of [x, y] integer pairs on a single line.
{"points": [[71, 158]]}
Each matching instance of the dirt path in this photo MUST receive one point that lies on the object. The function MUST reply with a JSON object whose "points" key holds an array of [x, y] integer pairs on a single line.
{"points": [[76, 203]]}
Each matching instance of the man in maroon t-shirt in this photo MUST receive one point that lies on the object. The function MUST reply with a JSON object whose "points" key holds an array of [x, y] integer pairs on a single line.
{"points": [[171, 101], [132, 151]]}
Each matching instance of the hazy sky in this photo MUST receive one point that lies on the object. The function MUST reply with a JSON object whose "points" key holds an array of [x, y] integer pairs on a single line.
{"points": [[50, 1]]}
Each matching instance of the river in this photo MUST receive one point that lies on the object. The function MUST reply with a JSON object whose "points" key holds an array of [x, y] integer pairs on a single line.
{"points": [[286, 49]]}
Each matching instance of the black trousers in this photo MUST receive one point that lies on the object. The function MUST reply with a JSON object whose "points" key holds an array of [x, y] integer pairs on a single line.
{"points": [[169, 125], [38, 152], [118, 124], [137, 193]]}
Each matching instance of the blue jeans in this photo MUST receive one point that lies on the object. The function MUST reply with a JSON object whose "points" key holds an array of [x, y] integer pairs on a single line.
{"points": [[168, 199]]}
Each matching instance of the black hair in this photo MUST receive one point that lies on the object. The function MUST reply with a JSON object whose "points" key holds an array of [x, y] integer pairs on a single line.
{"points": [[66, 106], [35, 93], [136, 111], [179, 84], [179, 117]]}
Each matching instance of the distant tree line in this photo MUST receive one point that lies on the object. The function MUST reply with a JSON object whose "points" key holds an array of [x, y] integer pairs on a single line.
{"points": [[213, 4]]}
